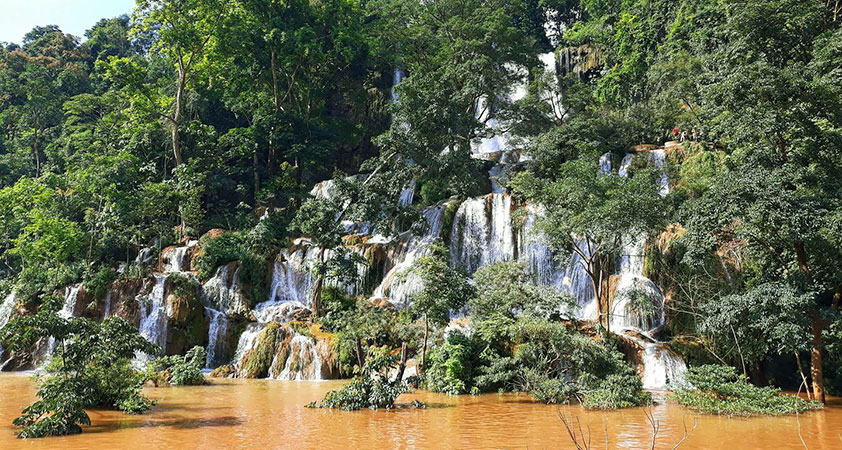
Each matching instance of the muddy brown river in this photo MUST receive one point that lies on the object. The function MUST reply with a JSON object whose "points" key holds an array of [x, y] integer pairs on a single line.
{"points": [[265, 414]]}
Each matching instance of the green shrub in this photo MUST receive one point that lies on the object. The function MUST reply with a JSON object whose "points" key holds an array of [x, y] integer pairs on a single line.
{"points": [[433, 191], [89, 368], [96, 281], [555, 365], [229, 247], [371, 388], [719, 390], [615, 391], [216, 252], [452, 365], [179, 370]]}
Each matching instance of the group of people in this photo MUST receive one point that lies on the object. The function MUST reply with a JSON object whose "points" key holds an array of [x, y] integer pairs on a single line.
{"points": [[682, 135]]}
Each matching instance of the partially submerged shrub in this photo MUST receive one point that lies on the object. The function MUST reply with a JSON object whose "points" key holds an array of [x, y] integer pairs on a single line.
{"points": [[615, 391], [90, 367], [370, 388], [452, 365], [179, 370], [719, 390]]}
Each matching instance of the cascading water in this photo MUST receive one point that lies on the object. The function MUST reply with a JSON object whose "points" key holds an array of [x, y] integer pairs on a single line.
{"points": [[247, 341], [153, 313], [483, 233], [303, 362], [7, 308], [661, 366], [218, 327], [107, 311], [222, 292], [399, 284], [177, 260], [70, 298], [407, 194], [291, 283]]}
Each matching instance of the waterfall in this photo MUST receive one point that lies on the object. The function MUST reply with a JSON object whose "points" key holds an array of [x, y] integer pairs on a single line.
{"points": [[407, 194], [661, 366], [397, 77], [496, 174], [71, 294], [482, 233], [216, 337], [303, 362], [247, 341], [177, 259], [7, 308], [222, 292], [291, 280], [70, 297], [107, 306], [399, 285], [153, 322], [276, 311]]}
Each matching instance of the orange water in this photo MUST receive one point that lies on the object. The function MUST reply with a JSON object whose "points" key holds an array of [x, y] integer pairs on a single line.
{"points": [[271, 414]]}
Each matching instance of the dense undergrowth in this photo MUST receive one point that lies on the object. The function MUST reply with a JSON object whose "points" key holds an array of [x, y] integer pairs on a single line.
{"points": [[719, 390]]}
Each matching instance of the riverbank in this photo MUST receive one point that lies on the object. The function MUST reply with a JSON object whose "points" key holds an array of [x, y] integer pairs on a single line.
{"points": [[271, 414]]}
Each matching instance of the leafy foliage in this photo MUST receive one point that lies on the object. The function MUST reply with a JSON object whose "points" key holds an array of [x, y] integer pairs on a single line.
{"points": [[179, 370], [718, 390], [90, 367], [370, 388]]}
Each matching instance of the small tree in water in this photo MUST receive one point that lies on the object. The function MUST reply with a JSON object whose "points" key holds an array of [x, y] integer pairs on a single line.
{"points": [[371, 388], [89, 367]]}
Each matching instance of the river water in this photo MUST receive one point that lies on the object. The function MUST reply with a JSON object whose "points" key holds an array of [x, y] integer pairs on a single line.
{"points": [[231, 414]]}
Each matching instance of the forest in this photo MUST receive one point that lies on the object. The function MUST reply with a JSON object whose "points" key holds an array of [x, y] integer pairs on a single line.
{"points": [[477, 195]]}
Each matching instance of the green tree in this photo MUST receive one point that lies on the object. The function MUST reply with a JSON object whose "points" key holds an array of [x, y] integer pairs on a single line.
{"points": [[183, 30], [589, 213], [90, 367], [445, 290]]}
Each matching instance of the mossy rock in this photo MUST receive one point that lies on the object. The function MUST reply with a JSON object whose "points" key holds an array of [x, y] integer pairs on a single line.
{"points": [[187, 325], [226, 371], [258, 360]]}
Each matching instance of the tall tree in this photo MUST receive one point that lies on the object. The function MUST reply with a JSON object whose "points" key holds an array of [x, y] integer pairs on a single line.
{"points": [[590, 212], [182, 30]]}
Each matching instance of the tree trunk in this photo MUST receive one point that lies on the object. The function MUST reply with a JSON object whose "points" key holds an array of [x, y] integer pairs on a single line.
{"points": [[423, 365], [804, 382], [256, 175], [316, 298], [603, 309], [176, 117], [402, 365], [37, 154], [360, 358], [270, 160], [816, 371]]}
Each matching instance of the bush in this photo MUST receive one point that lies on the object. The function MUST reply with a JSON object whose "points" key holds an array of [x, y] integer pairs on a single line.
{"points": [[433, 191], [96, 281], [453, 364], [371, 387], [230, 247], [719, 390], [615, 391], [90, 367], [217, 252], [179, 370], [555, 365]]}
